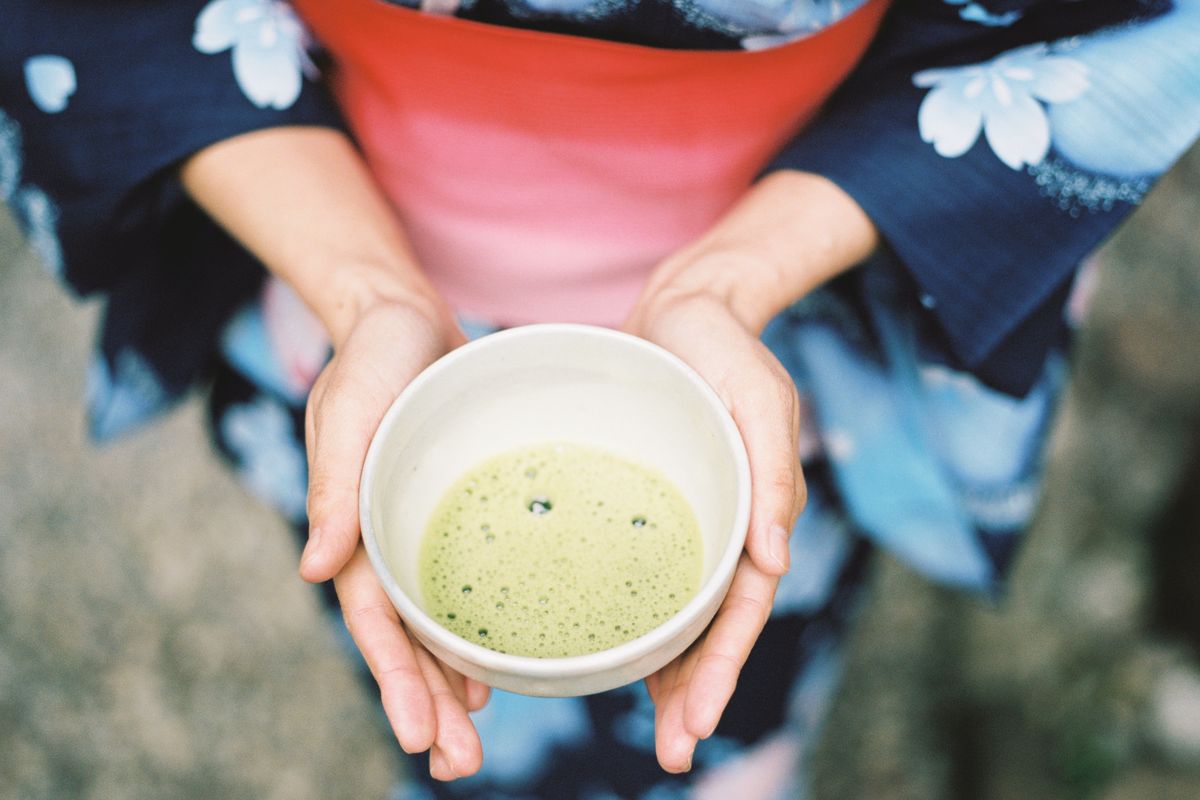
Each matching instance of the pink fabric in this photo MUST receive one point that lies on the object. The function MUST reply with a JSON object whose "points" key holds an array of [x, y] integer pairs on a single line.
{"points": [[540, 176]]}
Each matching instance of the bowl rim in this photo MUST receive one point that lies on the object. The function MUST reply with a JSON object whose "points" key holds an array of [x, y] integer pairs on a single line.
{"points": [[566, 666]]}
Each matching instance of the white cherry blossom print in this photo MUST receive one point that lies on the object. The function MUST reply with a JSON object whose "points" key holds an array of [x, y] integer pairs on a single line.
{"points": [[976, 12], [1003, 98], [51, 82], [269, 47]]}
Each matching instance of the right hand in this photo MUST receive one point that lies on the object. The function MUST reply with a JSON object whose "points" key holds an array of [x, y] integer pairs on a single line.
{"points": [[303, 201], [425, 701]]}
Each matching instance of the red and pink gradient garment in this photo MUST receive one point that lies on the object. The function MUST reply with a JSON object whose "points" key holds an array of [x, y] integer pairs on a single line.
{"points": [[541, 176]]}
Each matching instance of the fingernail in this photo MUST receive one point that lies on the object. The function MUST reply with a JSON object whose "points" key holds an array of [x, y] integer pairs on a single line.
{"points": [[310, 549], [777, 546], [688, 766], [711, 730]]}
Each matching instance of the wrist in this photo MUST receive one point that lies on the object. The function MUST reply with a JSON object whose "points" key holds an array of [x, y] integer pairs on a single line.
{"points": [[354, 290], [789, 234]]}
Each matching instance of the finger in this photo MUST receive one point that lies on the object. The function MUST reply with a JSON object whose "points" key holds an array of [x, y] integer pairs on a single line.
{"points": [[767, 412], [457, 684], [674, 745], [472, 694], [660, 683], [723, 653], [439, 769], [478, 694], [652, 682], [344, 420], [376, 629], [457, 741]]}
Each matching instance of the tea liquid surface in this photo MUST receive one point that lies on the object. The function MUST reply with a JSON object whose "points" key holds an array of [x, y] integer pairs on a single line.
{"points": [[559, 550]]}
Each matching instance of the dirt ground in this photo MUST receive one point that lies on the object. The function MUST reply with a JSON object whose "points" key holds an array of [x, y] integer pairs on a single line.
{"points": [[155, 641]]}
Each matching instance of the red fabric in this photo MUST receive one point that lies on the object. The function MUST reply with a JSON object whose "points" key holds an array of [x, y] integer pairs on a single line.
{"points": [[541, 176]]}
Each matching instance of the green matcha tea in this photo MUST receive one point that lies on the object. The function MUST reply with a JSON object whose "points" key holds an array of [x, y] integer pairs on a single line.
{"points": [[559, 550]]}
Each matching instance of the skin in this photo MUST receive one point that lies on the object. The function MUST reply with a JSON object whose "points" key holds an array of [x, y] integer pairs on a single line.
{"points": [[304, 203]]}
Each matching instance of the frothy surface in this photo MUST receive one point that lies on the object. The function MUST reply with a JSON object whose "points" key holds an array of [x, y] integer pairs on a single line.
{"points": [[559, 550]]}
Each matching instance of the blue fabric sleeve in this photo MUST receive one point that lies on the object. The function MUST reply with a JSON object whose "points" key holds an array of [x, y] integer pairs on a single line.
{"points": [[99, 103], [994, 144]]}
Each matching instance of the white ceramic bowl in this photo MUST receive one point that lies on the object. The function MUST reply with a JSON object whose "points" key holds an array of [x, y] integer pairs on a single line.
{"points": [[542, 383]]}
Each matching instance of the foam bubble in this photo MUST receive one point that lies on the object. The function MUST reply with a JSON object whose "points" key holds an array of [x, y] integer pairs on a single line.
{"points": [[556, 544]]}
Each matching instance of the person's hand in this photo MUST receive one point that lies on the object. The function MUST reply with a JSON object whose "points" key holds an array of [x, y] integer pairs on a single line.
{"points": [[425, 701], [303, 201], [708, 304], [692, 691]]}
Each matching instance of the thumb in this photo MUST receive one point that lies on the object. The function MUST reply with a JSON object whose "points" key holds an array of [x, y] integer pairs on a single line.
{"points": [[340, 426], [766, 410]]}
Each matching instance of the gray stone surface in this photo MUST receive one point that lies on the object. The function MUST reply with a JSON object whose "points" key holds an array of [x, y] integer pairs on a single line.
{"points": [[155, 641]]}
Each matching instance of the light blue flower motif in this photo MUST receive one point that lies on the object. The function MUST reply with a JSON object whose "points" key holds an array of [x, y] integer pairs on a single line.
{"points": [[272, 460], [1146, 107], [636, 726], [10, 156], [34, 210], [120, 398], [667, 790], [543, 722], [39, 216], [819, 547], [268, 42], [975, 12], [51, 82], [999, 97], [245, 344]]}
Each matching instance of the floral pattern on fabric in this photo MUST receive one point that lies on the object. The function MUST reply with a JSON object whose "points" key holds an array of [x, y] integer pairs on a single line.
{"points": [[978, 12], [35, 212], [10, 156], [121, 396], [50, 80], [270, 463], [1000, 98], [1034, 99], [269, 46]]}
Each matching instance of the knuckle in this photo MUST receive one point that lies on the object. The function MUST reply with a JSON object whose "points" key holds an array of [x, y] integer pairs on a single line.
{"points": [[320, 493], [750, 606], [407, 671], [357, 618], [722, 660]]}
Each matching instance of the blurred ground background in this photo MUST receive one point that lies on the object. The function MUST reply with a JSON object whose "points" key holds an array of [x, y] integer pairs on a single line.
{"points": [[155, 642]]}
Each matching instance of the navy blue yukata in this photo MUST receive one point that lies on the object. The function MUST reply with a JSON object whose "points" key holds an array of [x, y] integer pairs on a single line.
{"points": [[994, 144]]}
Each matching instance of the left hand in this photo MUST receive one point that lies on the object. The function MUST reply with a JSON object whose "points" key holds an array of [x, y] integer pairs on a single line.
{"points": [[708, 304], [692, 691]]}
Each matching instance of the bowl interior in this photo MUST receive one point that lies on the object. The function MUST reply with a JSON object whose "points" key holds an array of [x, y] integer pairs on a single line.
{"points": [[539, 384]]}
